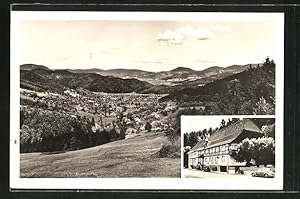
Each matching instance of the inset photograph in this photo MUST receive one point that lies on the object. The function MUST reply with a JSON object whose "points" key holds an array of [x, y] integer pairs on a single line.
{"points": [[100, 100], [228, 147]]}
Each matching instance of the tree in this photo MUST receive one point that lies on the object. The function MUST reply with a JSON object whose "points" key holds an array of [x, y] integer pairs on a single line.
{"points": [[191, 139], [269, 63], [244, 151], [262, 150], [234, 120], [122, 125], [210, 131], [93, 121], [229, 122], [102, 136], [148, 127], [223, 124], [73, 143], [104, 108], [186, 139], [260, 122], [113, 135], [262, 107], [269, 130], [172, 136], [204, 132], [22, 117]]}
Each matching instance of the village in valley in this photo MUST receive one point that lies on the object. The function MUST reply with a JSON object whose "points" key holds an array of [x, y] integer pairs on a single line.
{"points": [[137, 113], [105, 108]]}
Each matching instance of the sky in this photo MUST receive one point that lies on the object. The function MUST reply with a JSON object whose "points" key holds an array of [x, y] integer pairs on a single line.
{"points": [[196, 123], [145, 45], [191, 123]]}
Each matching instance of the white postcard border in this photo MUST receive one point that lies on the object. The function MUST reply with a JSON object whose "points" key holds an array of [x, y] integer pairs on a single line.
{"points": [[140, 183]]}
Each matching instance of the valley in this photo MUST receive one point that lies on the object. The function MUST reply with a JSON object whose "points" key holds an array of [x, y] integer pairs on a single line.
{"points": [[74, 112]]}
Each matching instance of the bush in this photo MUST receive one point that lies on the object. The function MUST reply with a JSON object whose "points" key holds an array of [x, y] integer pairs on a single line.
{"points": [[169, 150], [148, 127], [172, 135]]}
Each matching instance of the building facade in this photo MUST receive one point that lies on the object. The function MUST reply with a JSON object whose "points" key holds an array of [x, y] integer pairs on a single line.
{"points": [[217, 150]]}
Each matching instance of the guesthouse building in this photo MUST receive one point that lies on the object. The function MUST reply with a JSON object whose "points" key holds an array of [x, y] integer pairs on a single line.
{"points": [[216, 151]]}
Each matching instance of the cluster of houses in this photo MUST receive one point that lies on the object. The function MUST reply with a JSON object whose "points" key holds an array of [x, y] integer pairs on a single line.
{"points": [[137, 109]]}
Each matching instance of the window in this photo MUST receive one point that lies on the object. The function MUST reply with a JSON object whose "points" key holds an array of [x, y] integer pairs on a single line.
{"points": [[216, 160], [206, 151], [210, 150], [214, 150], [217, 149], [223, 158], [233, 146], [226, 148], [206, 159]]}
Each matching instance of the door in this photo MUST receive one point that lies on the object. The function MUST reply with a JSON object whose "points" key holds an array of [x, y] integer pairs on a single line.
{"points": [[223, 168]]}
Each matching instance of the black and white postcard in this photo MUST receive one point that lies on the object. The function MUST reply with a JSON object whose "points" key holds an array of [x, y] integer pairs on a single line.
{"points": [[146, 100]]}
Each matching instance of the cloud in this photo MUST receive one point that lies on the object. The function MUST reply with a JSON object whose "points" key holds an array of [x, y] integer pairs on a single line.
{"points": [[170, 38], [177, 36]]}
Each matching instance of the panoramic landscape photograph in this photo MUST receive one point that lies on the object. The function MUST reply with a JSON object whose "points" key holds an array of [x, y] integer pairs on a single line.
{"points": [[104, 98]]}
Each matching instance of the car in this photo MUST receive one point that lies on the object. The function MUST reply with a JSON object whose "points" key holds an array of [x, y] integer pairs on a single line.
{"points": [[205, 168], [264, 172]]}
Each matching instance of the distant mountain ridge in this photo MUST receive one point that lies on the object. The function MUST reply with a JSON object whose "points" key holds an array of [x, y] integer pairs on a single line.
{"points": [[38, 77], [58, 80], [179, 76], [235, 94], [182, 69], [32, 67]]}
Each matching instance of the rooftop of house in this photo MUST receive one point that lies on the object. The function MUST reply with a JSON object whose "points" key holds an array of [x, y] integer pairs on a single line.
{"points": [[228, 134]]}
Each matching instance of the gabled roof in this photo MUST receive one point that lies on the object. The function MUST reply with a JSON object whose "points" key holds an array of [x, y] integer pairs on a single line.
{"points": [[228, 134]]}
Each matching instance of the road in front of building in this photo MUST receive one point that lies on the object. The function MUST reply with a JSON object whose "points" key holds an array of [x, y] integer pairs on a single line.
{"points": [[223, 181], [192, 173]]}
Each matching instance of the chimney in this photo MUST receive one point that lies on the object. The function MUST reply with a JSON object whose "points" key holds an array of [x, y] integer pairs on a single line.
{"points": [[206, 142]]}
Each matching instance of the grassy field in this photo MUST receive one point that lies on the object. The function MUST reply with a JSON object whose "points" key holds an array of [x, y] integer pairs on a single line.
{"points": [[134, 157]]}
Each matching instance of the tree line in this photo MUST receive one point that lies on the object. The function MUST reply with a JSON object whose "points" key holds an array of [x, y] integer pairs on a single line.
{"points": [[191, 138], [50, 131]]}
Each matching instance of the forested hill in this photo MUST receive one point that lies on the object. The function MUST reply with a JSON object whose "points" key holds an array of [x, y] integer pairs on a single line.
{"points": [[237, 94], [56, 80]]}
